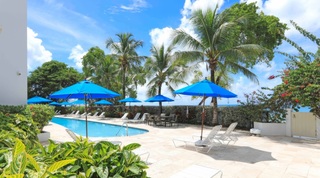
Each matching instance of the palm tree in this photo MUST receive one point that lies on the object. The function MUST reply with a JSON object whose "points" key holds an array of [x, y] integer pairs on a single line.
{"points": [[219, 44], [164, 68], [125, 52]]}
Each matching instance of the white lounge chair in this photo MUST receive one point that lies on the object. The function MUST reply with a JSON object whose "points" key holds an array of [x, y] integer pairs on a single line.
{"points": [[102, 115], [75, 137], [208, 141], [136, 117], [77, 113], [124, 117], [227, 136], [95, 114], [83, 114], [142, 120]]}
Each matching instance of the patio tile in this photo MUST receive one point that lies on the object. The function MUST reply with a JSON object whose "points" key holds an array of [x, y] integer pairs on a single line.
{"points": [[249, 157]]}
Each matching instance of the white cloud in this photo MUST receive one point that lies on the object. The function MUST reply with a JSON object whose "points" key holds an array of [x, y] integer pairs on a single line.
{"points": [[305, 13], [37, 53], [135, 6], [161, 36], [76, 55]]}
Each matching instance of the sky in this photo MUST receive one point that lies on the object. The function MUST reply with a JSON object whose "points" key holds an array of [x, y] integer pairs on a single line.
{"points": [[65, 30]]}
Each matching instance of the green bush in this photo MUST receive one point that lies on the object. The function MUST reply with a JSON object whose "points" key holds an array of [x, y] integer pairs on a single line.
{"points": [[41, 114], [19, 126], [71, 159]]}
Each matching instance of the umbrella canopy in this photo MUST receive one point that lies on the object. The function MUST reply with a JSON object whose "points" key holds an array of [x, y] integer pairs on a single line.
{"points": [[84, 90], [205, 88], [160, 99], [103, 102], [37, 100], [129, 100], [55, 104]]}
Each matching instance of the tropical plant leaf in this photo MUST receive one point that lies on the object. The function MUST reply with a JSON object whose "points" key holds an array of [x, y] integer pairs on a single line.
{"points": [[57, 165], [33, 162], [19, 163], [19, 147], [84, 157], [131, 146], [102, 173], [135, 169]]}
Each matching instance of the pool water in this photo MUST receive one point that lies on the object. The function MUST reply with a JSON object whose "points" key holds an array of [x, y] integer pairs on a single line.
{"points": [[97, 129]]}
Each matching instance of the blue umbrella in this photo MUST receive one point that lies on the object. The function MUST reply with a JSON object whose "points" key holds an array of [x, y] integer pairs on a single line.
{"points": [[103, 102], [84, 90], [55, 104], [37, 100], [205, 88], [160, 99], [129, 100]]}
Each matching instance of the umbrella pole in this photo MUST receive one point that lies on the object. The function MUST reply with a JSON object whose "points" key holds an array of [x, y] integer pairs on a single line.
{"points": [[85, 108], [202, 119]]}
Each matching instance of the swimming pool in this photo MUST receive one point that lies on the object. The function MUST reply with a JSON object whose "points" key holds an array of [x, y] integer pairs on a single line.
{"points": [[97, 129]]}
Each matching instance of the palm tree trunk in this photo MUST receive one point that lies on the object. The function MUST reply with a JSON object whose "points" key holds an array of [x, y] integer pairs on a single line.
{"points": [[124, 81], [215, 111], [160, 105], [214, 100]]}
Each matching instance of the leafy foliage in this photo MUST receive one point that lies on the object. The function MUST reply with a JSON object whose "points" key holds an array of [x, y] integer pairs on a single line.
{"points": [[226, 42], [263, 108], [18, 126], [130, 62], [41, 114], [51, 77], [71, 159], [301, 80]]}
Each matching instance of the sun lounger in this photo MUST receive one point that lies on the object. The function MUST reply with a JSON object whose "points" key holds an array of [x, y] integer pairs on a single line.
{"points": [[83, 114], [75, 137], [124, 117], [95, 114], [207, 142], [102, 115], [227, 136], [197, 171], [144, 117]]}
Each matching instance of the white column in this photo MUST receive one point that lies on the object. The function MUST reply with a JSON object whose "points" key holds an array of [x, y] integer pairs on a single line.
{"points": [[288, 123]]}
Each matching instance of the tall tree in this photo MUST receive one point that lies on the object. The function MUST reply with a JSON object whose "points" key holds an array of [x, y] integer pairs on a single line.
{"points": [[164, 68], [50, 77], [301, 80], [223, 43], [125, 51], [100, 68]]}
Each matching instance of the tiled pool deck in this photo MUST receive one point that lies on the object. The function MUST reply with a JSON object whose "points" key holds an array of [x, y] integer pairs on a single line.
{"points": [[249, 157]]}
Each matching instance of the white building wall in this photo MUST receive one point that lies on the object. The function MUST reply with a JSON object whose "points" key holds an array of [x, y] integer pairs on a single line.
{"points": [[13, 52]]}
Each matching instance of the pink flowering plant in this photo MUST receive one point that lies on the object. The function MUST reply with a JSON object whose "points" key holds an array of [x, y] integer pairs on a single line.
{"points": [[262, 107]]}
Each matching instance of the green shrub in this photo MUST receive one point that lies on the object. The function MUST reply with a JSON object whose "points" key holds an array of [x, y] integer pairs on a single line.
{"points": [[41, 114], [71, 159], [19, 126]]}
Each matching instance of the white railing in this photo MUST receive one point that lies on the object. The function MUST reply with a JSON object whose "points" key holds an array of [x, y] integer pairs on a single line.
{"points": [[126, 128]]}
